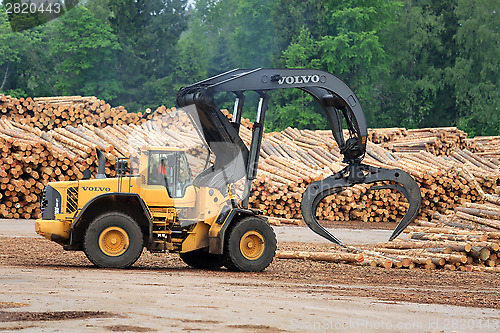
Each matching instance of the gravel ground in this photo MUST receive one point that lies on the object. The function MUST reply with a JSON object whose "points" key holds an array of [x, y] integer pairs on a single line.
{"points": [[471, 289], [44, 288]]}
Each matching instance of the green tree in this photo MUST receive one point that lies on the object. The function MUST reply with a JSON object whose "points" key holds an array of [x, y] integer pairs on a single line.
{"points": [[224, 35], [147, 32], [99, 8], [252, 40], [295, 108], [475, 75], [290, 17], [25, 64], [86, 53], [233, 33], [411, 94], [20, 21], [350, 48], [445, 110], [11, 48]]}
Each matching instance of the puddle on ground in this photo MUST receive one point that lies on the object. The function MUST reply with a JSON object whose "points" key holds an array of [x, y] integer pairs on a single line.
{"points": [[256, 328], [12, 316], [6, 305], [129, 328]]}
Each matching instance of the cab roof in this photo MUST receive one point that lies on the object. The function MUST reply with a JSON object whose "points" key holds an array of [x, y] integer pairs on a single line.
{"points": [[162, 148]]}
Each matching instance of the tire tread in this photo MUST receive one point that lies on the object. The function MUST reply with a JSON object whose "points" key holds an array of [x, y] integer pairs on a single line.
{"points": [[92, 250]]}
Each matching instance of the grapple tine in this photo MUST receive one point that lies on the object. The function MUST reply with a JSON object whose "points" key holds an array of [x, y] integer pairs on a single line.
{"points": [[318, 190], [407, 186], [313, 195]]}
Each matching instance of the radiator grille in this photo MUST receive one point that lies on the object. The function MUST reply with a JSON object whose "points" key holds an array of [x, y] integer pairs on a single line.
{"points": [[72, 199]]}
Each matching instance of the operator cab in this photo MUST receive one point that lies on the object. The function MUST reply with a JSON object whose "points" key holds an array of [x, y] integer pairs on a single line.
{"points": [[169, 168]]}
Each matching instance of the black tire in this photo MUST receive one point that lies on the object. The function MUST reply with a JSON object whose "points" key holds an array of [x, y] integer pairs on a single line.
{"points": [[256, 238], [110, 229], [202, 259]]}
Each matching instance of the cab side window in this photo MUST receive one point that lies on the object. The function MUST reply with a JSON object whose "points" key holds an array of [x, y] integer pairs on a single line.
{"points": [[170, 169], [153, 169], [185, 177]]}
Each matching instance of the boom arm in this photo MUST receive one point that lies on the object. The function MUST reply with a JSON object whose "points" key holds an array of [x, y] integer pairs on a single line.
{"points": [[330, 92], [334, 96]]}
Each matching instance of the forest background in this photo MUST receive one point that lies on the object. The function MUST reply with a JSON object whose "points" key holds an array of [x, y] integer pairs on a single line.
{"points": [[412, 63]]}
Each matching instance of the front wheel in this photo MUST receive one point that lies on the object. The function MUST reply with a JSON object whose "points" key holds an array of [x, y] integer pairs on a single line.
{"points": [[113, 240], [250, 245]]}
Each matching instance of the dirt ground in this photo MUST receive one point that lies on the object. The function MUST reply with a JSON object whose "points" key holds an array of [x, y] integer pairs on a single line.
{"points": [[43, 287]]}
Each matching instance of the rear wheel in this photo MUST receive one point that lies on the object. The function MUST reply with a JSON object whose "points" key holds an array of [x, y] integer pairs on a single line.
{"points": [[113, 240], [202, 259], [250, 245]]}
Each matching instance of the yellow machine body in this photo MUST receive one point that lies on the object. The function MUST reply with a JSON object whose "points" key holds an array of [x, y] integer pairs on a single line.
{"points": [[191, 211]]}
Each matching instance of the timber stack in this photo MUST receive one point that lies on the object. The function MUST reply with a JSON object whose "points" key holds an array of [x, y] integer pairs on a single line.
{"points": [[289, 160], [292, 159], [381, 135], [437, 141], [465, 239], [47, 113], [32, 158], [487, 147], [29, 162]]}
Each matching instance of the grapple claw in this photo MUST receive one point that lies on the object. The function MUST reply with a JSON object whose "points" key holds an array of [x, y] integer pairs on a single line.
{"points": [[318, 190]]}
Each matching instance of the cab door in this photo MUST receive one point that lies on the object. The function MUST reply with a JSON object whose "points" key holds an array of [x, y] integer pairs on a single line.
{"points": [[168, 180]]}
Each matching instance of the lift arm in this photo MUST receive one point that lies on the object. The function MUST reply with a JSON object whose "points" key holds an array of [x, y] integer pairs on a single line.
{"points": [[336, 99]]}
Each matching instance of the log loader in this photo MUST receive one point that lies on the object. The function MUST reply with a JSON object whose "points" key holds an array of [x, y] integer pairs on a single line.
{"points": [[166, 208]]}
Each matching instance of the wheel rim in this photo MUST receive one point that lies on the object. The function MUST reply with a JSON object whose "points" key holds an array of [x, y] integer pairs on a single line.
{"points": [[113, 241], [252, 245]]}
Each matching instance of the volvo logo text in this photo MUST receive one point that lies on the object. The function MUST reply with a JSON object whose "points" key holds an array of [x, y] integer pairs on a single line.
{"points": [[298, 79], [97, 189]]}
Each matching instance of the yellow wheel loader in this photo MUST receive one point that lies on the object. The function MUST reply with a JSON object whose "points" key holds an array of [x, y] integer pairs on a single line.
{"points": [[163, 204]]}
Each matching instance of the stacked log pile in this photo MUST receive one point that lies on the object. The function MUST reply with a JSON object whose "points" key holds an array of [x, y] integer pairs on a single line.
{"points": [[292, 159], [245, 122], [54, 139], [438, 141], [466, 239], [380, 135], [32, 158], [289, 161], [28, 163], [486, 147], [445, 180], [47, 113]]}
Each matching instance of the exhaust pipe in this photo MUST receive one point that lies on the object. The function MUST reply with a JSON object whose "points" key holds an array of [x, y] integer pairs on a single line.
{"points": [[101, 165]]}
